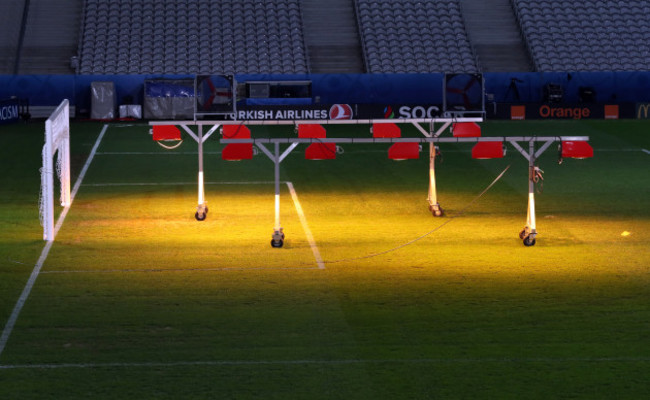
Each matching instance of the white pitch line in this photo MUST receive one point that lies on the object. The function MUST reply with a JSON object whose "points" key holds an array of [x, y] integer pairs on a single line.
{"points": [[222, 363], [645, 151], [163, 270], [619, 150], [11, 322], [305, 226]]}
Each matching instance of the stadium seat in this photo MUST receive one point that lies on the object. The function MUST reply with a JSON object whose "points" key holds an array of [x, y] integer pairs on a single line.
{"points": [[182, 27], [589, 27], [388, 25]]}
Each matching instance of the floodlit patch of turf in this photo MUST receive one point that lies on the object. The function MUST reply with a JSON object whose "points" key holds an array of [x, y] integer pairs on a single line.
{"points": [[138, 300]]}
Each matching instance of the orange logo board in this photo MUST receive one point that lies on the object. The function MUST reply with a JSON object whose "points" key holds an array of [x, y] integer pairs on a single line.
{"points": [[517, 112], [611, 112]]}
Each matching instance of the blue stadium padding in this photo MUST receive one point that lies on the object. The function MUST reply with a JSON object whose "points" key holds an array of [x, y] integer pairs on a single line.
{"points": [[383, 89], [168, 88], [279, 102]]}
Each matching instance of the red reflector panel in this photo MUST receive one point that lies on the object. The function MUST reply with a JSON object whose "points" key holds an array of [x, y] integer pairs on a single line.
{"points": [[236, 132], [484, 150], [577, 149], [466, 129], [237, 151], [311, 131], [389, 130], [404, 151], [320, 151], [166, 132]]}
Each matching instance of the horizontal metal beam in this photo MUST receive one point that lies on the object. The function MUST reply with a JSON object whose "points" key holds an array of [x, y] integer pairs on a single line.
{"points": [[411, 140], [321, 121]]}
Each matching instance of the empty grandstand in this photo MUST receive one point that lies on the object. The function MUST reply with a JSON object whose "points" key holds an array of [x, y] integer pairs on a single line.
{"points": [[602, 35], [414, 36], [192, 36], [302, 36]]}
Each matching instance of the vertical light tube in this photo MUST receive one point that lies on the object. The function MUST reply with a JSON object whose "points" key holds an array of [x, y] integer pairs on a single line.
{"points": [[276, 161], [200, 142], [531, 187], [433, 196], [531, 212]]}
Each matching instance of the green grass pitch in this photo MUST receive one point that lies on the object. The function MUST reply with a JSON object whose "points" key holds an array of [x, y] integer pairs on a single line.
{"points": [[138, 300]]}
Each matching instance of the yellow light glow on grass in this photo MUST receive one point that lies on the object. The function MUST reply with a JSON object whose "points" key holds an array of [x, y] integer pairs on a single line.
{"points": [[625, 233]]}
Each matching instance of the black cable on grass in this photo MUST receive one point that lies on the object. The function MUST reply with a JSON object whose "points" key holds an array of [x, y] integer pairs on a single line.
{"points": [[448, 220]]}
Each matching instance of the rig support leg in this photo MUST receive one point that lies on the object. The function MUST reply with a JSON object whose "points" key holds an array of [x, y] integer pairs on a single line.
{"points": [[278, 236], [434, 206], [202, 207], [529, 232]]}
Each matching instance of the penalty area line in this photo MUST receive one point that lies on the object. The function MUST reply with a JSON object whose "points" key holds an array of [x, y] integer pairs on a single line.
{"points": [[11, 322], [305, 226]]}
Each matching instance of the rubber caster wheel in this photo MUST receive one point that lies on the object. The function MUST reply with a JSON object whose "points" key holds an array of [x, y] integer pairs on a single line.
{"points": [[528, 241], [277, 243], [436, 211], [200, 216]]}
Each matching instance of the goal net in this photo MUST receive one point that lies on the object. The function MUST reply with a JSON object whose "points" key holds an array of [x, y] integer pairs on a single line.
{"points": [[57, 142]]}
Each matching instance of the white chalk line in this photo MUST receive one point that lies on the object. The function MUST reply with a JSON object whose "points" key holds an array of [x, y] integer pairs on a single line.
{"points": [[645, 151], [305, 226], [11, 322], [226, 363], [161, 270]]}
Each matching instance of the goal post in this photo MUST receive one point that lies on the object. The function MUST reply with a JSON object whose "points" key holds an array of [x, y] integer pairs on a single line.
{"points": [[57, 142]]}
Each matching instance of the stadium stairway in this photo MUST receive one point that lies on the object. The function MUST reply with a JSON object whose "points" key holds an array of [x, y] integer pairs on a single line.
{"points": [[51, 36], [10, 22], [331, 36], [495, 35]]}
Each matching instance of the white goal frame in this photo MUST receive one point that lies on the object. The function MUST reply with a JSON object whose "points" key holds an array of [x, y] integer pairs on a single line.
{"points": [[57, 141]]}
